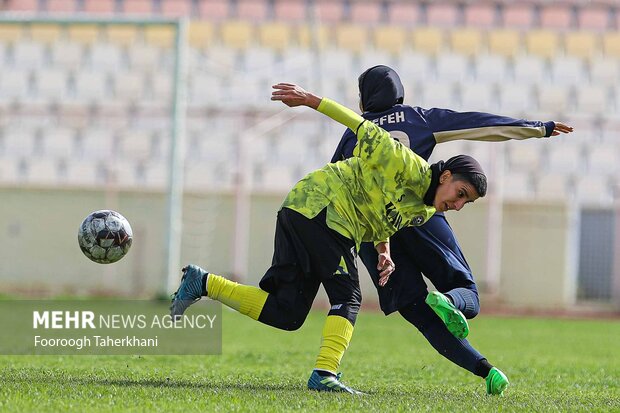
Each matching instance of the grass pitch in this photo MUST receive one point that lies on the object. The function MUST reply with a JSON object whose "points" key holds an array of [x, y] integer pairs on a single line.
{"points": [[553, 365]]}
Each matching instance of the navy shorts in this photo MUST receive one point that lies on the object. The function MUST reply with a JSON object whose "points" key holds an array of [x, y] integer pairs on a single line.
{"points": [[430, 249]]}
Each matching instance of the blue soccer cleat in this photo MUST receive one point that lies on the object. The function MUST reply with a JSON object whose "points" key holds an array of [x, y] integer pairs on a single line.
{"points": [[329, 383], [189, 291]]}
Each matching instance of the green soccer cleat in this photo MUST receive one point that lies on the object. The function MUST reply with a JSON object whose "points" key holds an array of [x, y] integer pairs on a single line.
{"points": [[451, 316], [189, 291], [497, 382], [329, 383]]}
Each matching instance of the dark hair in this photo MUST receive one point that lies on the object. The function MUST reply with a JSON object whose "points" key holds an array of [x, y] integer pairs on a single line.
{"points": [[477, 180]]}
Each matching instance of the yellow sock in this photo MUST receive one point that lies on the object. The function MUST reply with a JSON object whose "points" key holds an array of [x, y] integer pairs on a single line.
{"points": [[246, 299], [337, 333]]}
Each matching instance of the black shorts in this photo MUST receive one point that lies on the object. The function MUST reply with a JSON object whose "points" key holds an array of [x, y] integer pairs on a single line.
{"points": [[307, 253]]}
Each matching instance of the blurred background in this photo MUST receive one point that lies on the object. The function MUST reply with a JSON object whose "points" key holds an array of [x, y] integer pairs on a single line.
{"points": [[160, 109]]}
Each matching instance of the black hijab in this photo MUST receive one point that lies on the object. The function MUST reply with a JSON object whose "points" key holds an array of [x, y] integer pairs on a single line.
{"points": [[460, 164], [380, 89]]}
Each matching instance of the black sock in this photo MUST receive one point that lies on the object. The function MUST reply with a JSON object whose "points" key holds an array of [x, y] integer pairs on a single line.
{"points": [[483, 368], [204, 284], [324, 373]]}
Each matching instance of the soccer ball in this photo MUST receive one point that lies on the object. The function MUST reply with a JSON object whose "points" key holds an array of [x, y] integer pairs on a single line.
{"points": [[105, 236]]}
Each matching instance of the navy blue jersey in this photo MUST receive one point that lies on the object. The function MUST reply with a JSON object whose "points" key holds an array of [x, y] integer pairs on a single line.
{"points": [[421, 129]]}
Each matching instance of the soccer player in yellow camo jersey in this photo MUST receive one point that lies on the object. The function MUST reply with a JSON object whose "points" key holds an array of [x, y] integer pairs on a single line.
{"points": [[323, 221]]}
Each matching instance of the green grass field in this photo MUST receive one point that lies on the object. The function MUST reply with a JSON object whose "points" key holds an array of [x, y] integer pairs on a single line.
{"points": [[553, 365]]}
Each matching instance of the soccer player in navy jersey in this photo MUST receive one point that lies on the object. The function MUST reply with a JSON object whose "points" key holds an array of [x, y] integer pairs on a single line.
{"points": [[432, 249]]}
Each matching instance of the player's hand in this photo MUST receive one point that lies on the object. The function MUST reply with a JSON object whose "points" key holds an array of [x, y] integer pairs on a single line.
{"points": [[293, 95], [561, 128], [386, 266]]}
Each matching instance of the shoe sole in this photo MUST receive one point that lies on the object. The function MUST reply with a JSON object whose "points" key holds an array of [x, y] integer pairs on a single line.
{"points": [[454, 320]]}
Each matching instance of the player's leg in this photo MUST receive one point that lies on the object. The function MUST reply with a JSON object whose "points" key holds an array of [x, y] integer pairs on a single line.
{"points": [[437, 254], [341, 282], [457, 350], [286, 291], [434, 250], [406, 283], [408, 297], [407, 291], [336, 335]]}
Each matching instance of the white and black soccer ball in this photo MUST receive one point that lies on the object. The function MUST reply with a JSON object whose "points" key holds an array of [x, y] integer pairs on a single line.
{"points": [[105, 236]]}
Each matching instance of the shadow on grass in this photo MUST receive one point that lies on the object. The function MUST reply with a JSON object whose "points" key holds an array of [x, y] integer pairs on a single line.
{"points": [[172, 383], [155, 382], [187, 384]]}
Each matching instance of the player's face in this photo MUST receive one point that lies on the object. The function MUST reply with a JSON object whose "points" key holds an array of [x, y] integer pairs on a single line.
{"points": [[453, 194]]}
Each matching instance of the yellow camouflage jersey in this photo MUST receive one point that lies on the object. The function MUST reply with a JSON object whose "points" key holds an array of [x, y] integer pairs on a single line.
{"points": [[371, 195]]}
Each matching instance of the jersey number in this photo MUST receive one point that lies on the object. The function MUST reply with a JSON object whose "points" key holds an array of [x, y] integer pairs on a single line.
{"points": [[401, 137]]}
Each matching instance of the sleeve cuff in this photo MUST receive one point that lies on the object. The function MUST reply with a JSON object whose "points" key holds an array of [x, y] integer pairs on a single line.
{"points": [[549, 128], [340, 114]]}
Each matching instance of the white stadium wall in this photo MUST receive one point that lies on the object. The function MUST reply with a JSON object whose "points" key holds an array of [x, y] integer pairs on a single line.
{"points": [[538, 260]]}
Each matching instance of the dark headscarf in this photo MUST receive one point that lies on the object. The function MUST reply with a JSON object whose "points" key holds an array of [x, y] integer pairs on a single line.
{"points": [[380, 89], [460, 164]]}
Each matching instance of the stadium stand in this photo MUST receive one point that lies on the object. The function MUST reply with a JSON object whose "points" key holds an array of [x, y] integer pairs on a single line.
{"points": [[289, 10], [533, 59], [469, 42], [505, 42], [481, 14], [367, 12], [558, 16], [139, 7], [253, 10], [104, 7], [478, 96], [443, 14], [594, 17], [392, 39], [404, 13], [177, 8], [328, 11]]}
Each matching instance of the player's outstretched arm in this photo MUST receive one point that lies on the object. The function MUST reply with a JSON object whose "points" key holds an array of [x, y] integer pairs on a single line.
{"points": [[293, 95], [448, 125]]}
